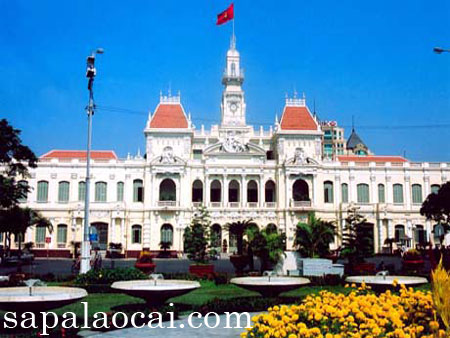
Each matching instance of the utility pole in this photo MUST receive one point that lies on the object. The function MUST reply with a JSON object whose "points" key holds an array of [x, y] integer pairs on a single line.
{"points": [[86, 245]]}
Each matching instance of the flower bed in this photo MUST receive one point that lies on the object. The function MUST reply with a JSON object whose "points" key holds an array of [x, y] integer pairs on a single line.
{"points": [[361, 314]]}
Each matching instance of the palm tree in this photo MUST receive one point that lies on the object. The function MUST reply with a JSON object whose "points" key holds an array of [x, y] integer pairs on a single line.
{"points": [[239, 228], [17, 220], [313, 238]]}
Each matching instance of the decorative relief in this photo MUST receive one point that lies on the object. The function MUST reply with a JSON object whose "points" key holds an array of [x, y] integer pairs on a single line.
{"points": [[232, 144]]}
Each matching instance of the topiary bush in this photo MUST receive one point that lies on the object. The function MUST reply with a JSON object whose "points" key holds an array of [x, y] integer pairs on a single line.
{"points": [[109, 276]]}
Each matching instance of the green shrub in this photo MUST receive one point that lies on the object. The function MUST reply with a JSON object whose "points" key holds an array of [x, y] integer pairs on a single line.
{"points": [[109, 276]]}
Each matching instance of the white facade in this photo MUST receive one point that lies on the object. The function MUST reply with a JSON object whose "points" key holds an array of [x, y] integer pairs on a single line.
{"points": [[256, 171]]}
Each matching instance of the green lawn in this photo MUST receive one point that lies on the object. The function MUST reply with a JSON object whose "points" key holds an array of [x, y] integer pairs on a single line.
{"points": [[105, 302]]}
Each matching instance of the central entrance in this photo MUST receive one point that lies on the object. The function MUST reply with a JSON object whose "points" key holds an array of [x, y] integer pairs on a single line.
{"points": [[101, 229]]}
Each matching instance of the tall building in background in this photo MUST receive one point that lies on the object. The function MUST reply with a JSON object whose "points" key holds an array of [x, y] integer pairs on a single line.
{"points": [[273, 176]]}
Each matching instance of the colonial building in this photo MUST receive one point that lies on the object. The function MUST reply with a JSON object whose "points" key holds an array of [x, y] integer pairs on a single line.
{"points": [[275, 176]]}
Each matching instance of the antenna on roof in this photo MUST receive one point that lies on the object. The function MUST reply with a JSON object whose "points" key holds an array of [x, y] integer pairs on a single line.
{"points": [[353, 123], [314, 107]]}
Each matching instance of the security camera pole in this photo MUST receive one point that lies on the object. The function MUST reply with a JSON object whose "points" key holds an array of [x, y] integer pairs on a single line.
{"points": [[86, 245]]}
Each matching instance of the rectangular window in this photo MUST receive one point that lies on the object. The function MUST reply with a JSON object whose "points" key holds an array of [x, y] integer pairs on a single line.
{"points": [[344, 191], [42, 191], [40, 234], [363, 193], [62, 234], [81, 191], [417, 194], [398, 193], [119, 191], [100, 192], [198, 153], [24, 186], [63, 192], [328, 192], [381, 194]]}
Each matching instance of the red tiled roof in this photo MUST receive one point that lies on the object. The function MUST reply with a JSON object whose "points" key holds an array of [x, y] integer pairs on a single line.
{"points": [[297, 118], [169, 116], [95, 154], [354, 158]]}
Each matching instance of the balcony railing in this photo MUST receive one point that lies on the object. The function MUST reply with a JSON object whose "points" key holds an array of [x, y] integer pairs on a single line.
{"points": [[234, 204], [252, 204], [300, 204], [167, 203], [216, 204], [196, 204], [270, 204]]}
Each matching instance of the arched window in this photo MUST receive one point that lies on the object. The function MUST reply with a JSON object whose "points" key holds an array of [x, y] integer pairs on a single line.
{"points": [[398, 193], [252, 191], [136, 234], [270, 192], [438, 233], [328, 192], [24, 190], [167, 190], [120, 188], [381, 193], [40, 234], [399, 233], [61, 234], [362, 193], [167, 233], [42, 191], [197, 191], [233, 191], [100, 191], [81, 191], [63, 191], [216, 191], [435, 188], [216, 235], [300, 191], [416, 194], [271, 228], [138, 191], [344, 192], [420, 235]]}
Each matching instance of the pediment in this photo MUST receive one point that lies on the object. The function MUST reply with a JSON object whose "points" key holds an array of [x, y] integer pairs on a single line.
{"points": [[237, 149]]}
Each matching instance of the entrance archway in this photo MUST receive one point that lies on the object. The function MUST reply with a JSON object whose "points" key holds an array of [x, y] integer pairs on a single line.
{"points": [[101, 229]]}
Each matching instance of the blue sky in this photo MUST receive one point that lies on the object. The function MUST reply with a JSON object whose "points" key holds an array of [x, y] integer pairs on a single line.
{"points": [[370, 59]]}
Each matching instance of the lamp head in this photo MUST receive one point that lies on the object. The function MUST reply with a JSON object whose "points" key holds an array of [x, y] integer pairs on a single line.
{"points": [[438, 50]]}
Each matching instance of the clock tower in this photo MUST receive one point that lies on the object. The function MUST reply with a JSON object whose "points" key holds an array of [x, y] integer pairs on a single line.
{"points": [[233, 103]]}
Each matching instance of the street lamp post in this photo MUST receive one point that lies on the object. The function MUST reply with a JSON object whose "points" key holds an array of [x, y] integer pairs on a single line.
{"points": [[86, 245]]}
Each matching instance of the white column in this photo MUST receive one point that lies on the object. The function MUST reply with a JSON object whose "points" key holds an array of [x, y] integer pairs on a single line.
{"points": [[410, 232], [430, 237], [407, 193], [225, 190], [426, 186], [337, 189], [388, 191], [243, 192], [373, 190], [390, 230], [315, 195], [122, 231], [261, 187], [206, 192], [112, 237]]}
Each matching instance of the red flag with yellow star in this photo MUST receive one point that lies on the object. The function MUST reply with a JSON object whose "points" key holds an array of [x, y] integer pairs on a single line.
{"points": [[226, 15]]}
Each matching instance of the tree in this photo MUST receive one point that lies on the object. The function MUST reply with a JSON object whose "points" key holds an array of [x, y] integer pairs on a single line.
{"points": [[313, 238], [267, 245], [16, 220], [357, 241], [197, 236], [238, 229], [436, 207], [15, 159]]}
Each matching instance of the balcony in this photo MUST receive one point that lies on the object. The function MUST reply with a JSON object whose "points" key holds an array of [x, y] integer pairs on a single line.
{"points": [[270, 204], [167, 204], [252, 205], [301, 204], [234, 204], [216, 204]]}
